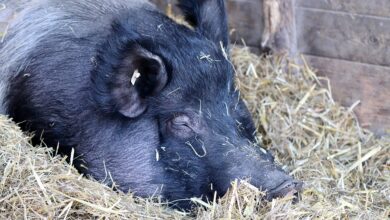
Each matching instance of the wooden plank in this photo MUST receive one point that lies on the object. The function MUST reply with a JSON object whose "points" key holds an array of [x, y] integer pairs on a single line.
{"points": [[356, 81], [245, 21], [366, 7], [344, 36]]}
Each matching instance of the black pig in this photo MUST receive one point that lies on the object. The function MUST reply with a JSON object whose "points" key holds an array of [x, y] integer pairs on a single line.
{"points": [[139, 98]]}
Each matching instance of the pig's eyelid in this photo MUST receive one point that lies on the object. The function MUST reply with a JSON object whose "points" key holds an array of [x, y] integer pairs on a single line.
{"points": [[183, 124], [181, 120]]}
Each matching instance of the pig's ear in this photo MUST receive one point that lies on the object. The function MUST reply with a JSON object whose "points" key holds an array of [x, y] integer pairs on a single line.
{"points": [[124, 85], [208, 17]]}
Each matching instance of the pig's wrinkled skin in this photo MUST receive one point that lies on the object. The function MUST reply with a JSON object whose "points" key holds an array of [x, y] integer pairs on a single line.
{"points": [[180, 130]]}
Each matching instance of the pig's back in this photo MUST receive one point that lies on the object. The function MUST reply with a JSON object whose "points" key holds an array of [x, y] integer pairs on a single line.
{"points": [[30, 23]]}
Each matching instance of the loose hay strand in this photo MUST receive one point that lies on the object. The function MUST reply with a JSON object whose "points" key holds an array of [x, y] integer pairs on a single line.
{"points": [[346, 170]]}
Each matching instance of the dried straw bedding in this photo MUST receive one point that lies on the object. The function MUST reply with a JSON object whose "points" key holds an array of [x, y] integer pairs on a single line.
{"points": [[345, 168]]}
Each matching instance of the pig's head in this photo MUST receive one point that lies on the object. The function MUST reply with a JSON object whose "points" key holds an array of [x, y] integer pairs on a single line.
{"points": [[182, 82]]}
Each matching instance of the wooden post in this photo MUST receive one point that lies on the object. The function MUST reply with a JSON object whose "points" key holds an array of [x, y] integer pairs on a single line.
{"points": [[279, 32]]}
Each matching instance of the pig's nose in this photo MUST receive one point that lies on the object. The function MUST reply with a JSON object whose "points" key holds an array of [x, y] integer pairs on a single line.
{"points": [[287, 188]]}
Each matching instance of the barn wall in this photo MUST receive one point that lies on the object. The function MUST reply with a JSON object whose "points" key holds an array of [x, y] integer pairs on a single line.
{"points": [[342, 35], [349, 42], [380, 8]]}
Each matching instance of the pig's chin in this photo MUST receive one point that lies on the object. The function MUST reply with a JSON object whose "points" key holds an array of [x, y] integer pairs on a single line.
{"points": [[289, 187]]}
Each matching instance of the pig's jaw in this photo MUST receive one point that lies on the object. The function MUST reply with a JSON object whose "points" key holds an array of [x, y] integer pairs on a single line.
{"points": [[287, 188]]}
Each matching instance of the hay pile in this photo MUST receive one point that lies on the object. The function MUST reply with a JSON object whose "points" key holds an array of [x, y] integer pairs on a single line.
{"points": [[345, 169]]}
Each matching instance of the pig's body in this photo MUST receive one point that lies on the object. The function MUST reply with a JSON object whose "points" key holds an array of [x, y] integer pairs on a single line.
{"points": [[179, 130], [31, 22], [37, 35]]}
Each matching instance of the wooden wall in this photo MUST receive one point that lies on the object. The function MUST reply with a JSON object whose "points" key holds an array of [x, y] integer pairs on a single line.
{"points": [[349, 42], [345, 40]]}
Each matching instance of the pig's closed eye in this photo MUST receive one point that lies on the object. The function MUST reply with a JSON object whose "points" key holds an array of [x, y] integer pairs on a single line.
{"points": [[181, 121], [181, 126]]}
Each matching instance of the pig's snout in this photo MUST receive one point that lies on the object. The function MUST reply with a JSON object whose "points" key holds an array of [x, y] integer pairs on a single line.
{"points": [[287, 188]]}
